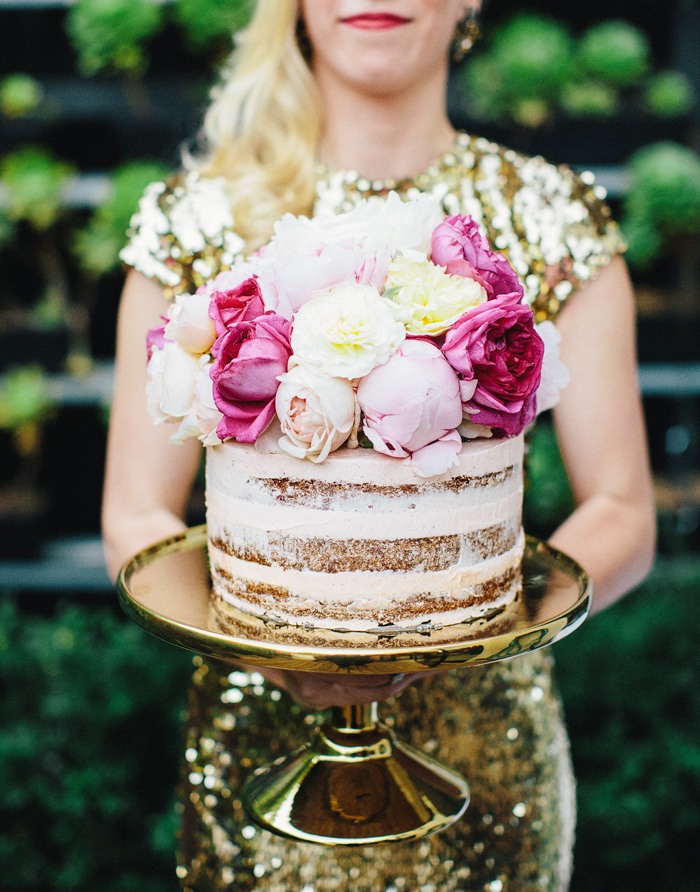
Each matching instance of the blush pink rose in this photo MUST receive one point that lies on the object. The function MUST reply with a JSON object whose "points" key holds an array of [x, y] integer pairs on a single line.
{"points": [[249, 359], [459, 246], [498, 355], [412, 406], [241, 303]]}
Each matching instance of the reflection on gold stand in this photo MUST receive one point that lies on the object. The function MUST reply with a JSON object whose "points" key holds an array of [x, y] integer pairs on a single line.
{"points": [[353, 783]]}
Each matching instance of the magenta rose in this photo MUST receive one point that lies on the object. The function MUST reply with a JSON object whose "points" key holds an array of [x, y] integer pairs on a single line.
{"points": [[498, 355], [241, 303], [458, 245], [249, 359]]}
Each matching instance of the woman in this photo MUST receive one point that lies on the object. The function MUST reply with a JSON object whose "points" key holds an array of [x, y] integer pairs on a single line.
{"points": [[318, 90]]}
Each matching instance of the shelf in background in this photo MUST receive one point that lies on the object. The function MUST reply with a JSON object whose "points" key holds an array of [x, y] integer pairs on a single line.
{"points": [[73, 564]]}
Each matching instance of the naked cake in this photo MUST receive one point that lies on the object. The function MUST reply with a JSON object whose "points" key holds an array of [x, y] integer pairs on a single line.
{"points": [[359, 542]]}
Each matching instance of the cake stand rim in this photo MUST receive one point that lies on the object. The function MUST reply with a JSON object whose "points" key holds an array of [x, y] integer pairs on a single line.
{"points": [[371, 660]]}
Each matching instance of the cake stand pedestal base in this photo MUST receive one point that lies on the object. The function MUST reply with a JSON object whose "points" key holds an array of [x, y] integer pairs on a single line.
{"points": [[354, 784]]}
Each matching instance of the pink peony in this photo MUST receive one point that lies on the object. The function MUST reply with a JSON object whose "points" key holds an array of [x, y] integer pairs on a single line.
{"points": [[464, 251], [249, 359], [241, 303], [411, 407], [498, 356]]}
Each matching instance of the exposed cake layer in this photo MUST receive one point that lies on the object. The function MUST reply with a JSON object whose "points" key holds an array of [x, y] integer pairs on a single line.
{"points": [[359, 540]]}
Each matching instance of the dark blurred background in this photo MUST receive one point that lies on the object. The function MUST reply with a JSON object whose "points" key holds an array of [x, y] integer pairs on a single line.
{"points": [[96, 98]]}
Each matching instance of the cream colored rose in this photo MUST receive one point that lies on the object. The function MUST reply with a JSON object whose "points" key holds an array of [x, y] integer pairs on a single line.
{"points": [[189, 323], [429, 300], [346, 331], [170, 391], [316, 412]]}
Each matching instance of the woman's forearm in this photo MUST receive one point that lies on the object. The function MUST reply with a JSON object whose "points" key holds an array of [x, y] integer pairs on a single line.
{"points": [[122, 540], [613, 541]]}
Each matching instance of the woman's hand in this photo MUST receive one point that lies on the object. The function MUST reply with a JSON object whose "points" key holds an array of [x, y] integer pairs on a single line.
{"points": [[320, 690]]}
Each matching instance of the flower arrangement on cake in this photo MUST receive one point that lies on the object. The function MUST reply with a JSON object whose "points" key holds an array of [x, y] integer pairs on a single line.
{"points": [[388, 326]]}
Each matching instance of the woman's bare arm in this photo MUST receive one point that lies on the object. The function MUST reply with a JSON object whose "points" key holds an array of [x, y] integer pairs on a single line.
{"points": [[147, 479], [602, 436]]}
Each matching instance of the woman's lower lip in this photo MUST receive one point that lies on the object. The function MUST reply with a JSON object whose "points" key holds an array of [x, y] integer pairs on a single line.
{"points": [[376, 22]]}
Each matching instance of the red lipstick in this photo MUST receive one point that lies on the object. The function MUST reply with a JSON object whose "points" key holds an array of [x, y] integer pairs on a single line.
{"points": [[375, 21]]}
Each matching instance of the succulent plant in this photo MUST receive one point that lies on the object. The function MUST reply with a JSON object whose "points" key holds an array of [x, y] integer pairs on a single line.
{"points": [[615, 52], [209, 21], [669, 94], [534, 54], [34, 181], [109, 34], [23, 399], [663, 200], [20, 95], [589, 97]]}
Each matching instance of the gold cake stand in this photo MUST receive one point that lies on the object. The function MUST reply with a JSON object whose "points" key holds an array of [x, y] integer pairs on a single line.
{"points": [[353, 783]]}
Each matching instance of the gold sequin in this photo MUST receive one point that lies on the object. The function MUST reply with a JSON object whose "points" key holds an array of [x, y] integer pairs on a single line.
{"points": [[517, 829]]}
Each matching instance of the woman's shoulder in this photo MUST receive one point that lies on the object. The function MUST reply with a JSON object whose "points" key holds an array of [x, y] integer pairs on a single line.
{"points": [[553, 223], [183, 232]]}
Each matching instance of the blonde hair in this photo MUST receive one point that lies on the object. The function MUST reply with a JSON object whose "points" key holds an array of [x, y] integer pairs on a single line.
{"points": [[262, 128]]}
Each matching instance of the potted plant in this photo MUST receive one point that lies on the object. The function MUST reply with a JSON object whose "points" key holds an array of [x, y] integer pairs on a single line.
{"points": [[24, 409], [34, 324], [661, 221], [591, 100]]}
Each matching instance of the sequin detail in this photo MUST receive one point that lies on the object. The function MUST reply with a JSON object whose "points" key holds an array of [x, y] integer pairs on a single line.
{"points": [[550, 222], [515, 836], [183, 233]]}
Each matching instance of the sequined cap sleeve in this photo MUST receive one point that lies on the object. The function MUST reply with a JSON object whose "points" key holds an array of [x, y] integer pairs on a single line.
{"points": [[553, 224], [565, 231], [182, 233]]}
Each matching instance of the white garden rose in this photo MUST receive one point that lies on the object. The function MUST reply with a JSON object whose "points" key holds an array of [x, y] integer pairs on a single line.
{"points": [[346, 331], [555, 375], [203, 418], [428, 299], [388, 222], [316, 413], [189, 323], [171, 383]]}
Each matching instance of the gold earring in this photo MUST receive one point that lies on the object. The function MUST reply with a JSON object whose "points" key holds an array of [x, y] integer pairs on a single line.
{"points": [[467, 33]]}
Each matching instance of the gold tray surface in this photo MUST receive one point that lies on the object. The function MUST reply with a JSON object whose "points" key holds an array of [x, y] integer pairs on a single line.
{"points": [[166, 589]]}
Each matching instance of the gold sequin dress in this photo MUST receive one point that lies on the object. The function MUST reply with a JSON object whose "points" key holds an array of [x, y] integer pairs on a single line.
{"points": [[499, 725]]}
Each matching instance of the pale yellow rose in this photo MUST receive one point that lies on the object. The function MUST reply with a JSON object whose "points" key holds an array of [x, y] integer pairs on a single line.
{"points": [[427, 299]]}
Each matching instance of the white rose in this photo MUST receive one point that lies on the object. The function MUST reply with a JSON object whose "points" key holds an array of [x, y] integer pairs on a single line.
{"points": [[203, 418], [555, 375], [316, 412], [190, 325], [388, 222], [306, 256], [346, 331], [170, 389]]}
